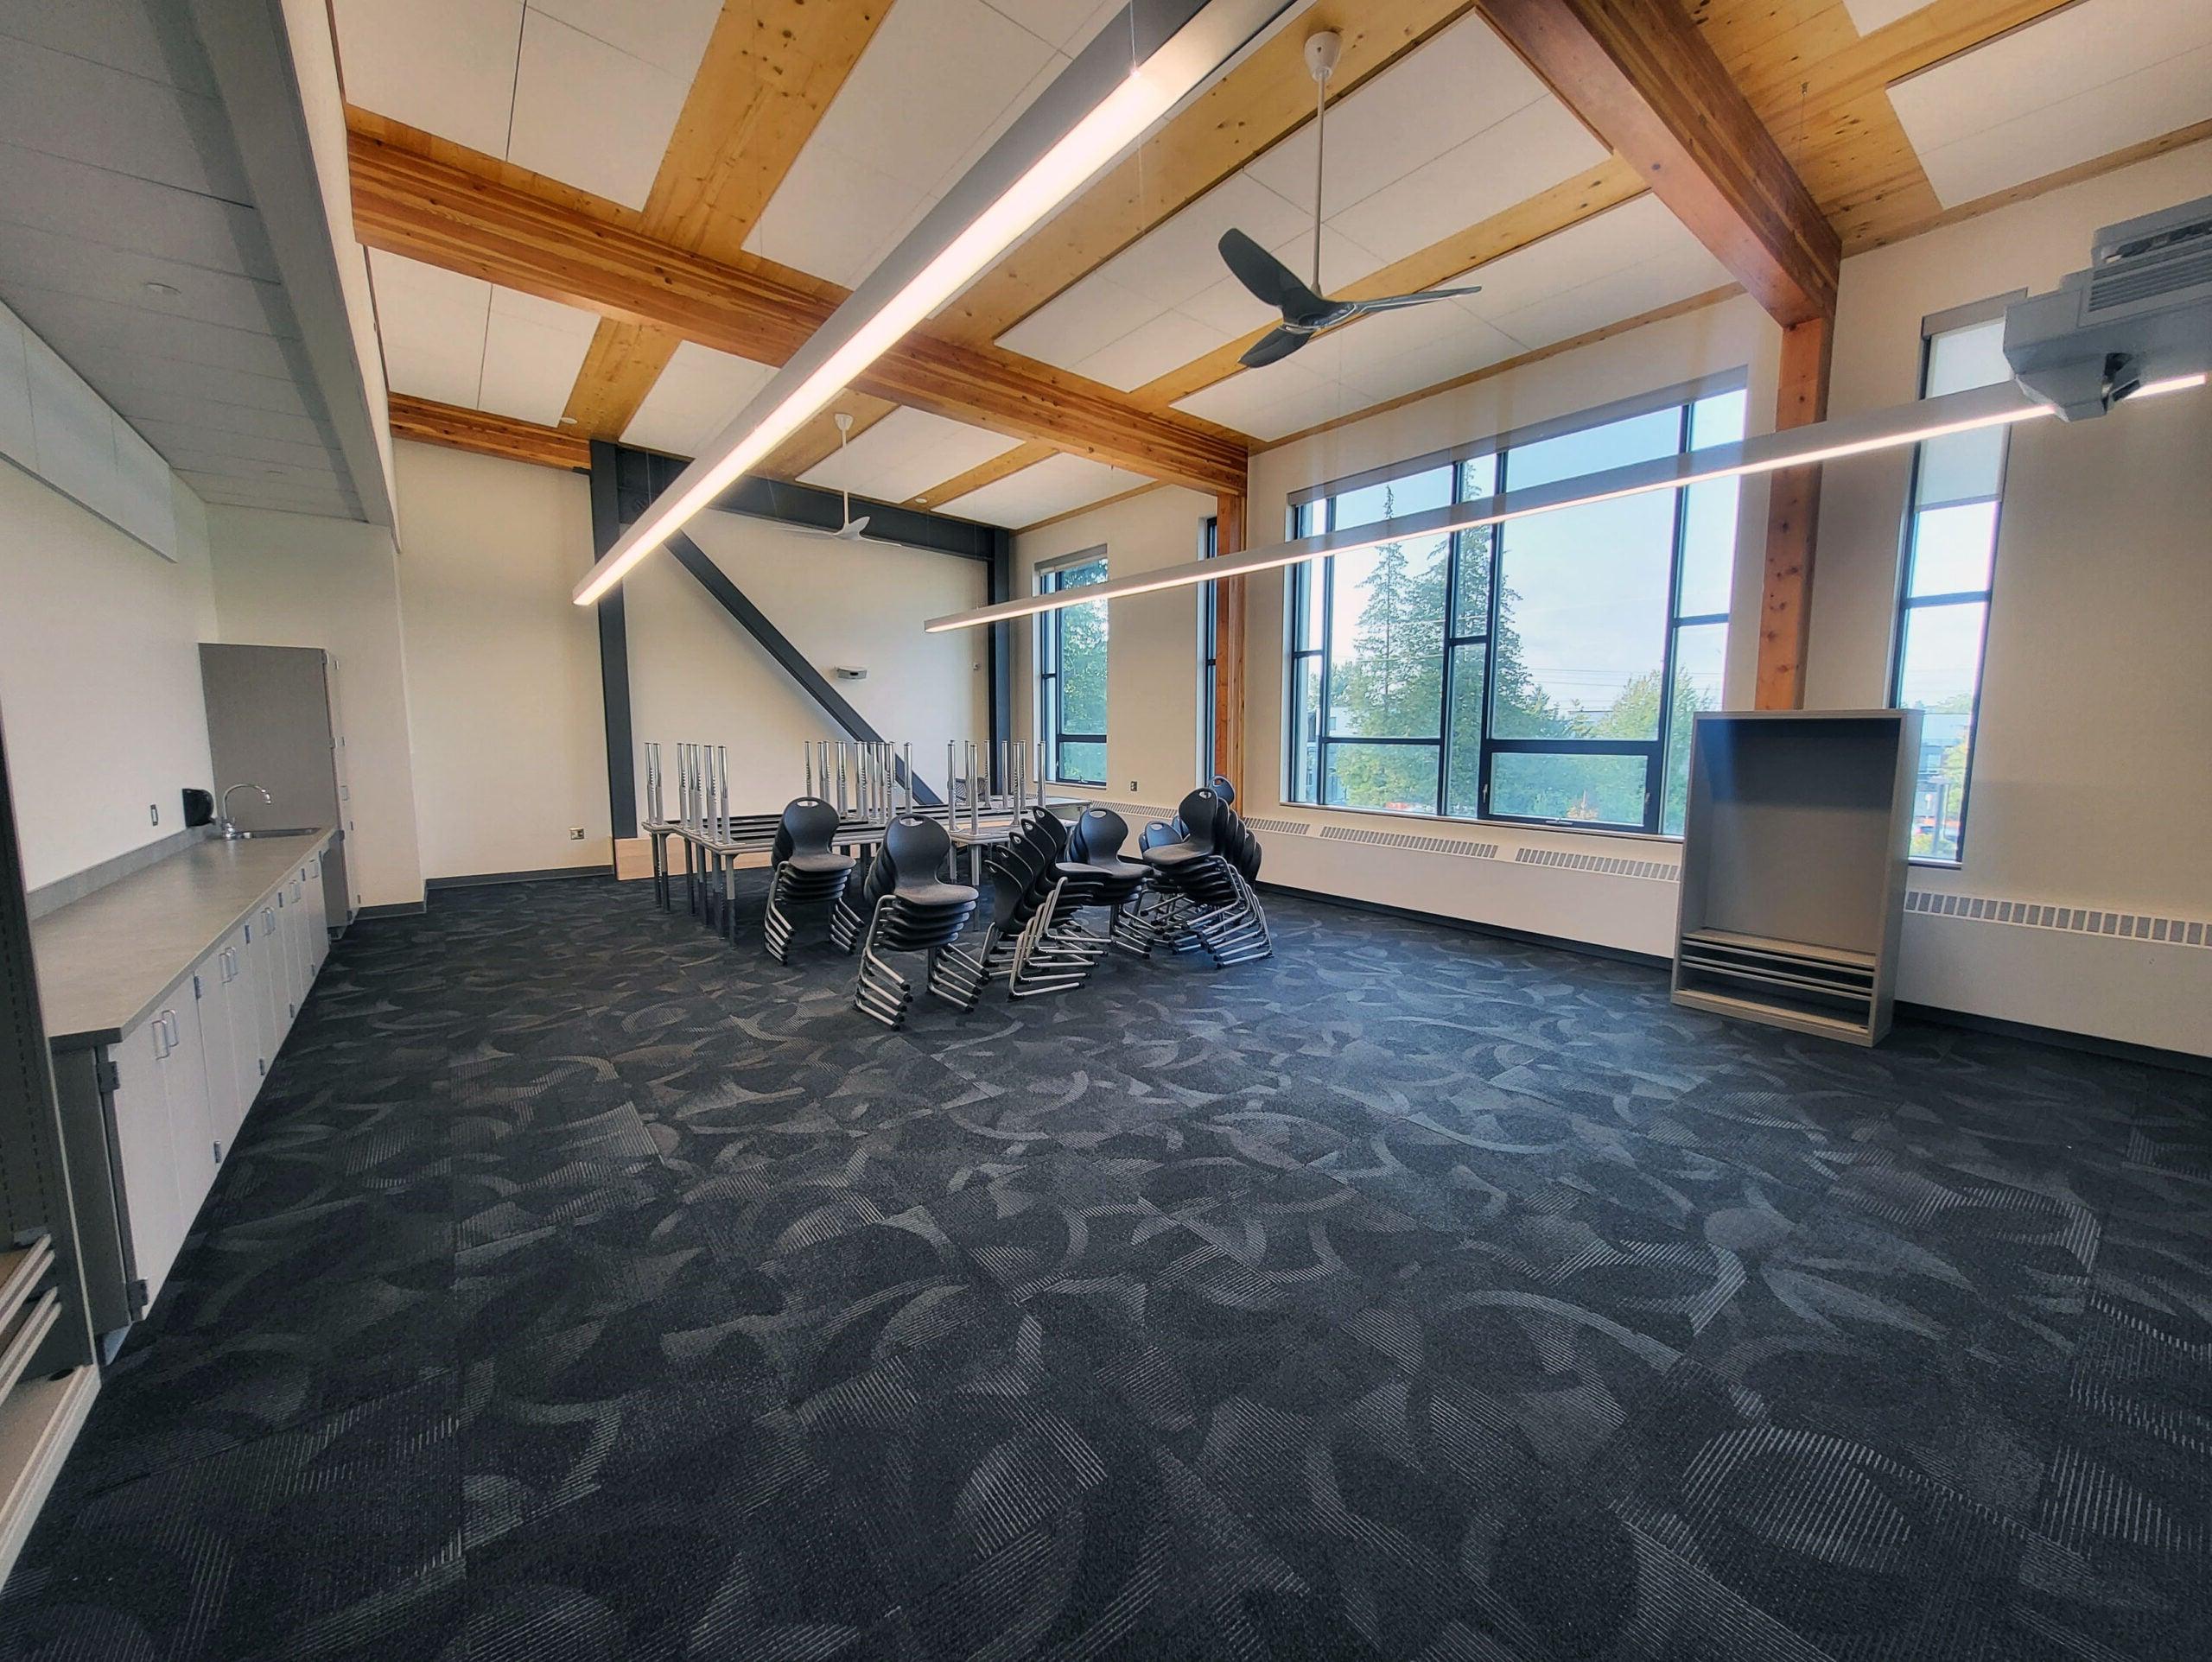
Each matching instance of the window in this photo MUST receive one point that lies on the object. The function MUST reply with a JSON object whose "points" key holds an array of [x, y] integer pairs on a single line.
{"points": [[1950, 547], [1071, 675], [1209, 545], [1545, 670]]}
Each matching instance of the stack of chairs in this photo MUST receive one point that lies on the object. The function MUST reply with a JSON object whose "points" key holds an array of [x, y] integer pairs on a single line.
{"points": [[1203, 867], [1033, 943], [807, 871], [1100, 877], [913, 909]]}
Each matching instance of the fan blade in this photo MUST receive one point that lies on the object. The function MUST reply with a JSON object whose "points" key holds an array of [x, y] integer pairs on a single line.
{"points": [[851, 530], [1399, 302], [1270, 279], [1275, 344]]}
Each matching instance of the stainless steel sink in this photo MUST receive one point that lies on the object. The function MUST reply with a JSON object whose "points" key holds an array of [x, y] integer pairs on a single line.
{"points": [[282, 831]]}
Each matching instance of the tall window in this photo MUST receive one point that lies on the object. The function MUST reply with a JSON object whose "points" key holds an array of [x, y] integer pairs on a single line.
{"points": [[1950, 547], [1209, 658], [1542, 671], [1071, 674]]}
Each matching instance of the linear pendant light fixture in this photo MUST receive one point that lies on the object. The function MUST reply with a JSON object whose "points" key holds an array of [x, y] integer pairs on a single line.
{"points": [[1151, 57], [2001, 405]]}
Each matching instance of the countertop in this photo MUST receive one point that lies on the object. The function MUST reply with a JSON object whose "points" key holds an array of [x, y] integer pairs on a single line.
{"points": [[104, 962]]}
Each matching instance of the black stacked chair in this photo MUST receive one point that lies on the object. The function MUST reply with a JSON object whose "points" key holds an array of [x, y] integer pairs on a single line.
{"points": [[1206, 876], [914, 910], [807, 871], [1095, 856], [1033, 943]]}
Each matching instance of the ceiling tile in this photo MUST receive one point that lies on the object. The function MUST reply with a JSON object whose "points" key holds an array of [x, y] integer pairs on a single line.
{"points": [[532, 350], [1529, 151], [1066, 25], [1674, 267], [590, 115], [670, 35], [1436, 97], [1282, 398], [2078, 84], [120, 375], [144, 129], [147, 408], [906, 453], [433, 324], [1167, 342], [698, 393], [828, 216], [1868, 15], [1083, 320], [75, 199], [68, 320], [171, 438], [1604, 242], [154, 43], [1181, 258], [1056, 486], [32, 259], [445, 65]]}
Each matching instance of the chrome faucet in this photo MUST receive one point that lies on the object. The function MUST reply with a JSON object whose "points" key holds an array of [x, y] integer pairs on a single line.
{"points": [[230, 832]]}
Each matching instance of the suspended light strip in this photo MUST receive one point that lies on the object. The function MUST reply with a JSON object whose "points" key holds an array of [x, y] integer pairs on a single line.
{"points": [[1852, 435], [1046, 157]]}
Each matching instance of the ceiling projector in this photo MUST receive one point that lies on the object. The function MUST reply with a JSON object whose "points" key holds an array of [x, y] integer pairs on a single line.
{"points": [[2141, 313]]}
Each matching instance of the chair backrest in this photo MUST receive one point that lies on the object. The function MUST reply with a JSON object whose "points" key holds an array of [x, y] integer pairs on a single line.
{"points": [[1200, 815], [1099, 836], [808, 823], [1155, 833], [917, 849], [1223, 789]]}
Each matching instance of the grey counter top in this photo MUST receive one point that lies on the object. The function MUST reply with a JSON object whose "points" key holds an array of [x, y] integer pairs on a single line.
{"points": [[105, 961]]}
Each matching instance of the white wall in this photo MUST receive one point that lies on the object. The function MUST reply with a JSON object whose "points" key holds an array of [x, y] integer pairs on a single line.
{"points": [[99, 679], [2090, 785], [1151, 687], [296, 579], [502, 669], [695, 676]]}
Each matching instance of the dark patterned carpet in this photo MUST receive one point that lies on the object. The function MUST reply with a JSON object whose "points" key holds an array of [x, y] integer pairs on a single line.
{"points": [[584, 1289]]}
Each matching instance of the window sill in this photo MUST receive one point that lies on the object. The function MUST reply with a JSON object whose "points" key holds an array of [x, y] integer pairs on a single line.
{"points": [[1567, 829], [1928, 862]]}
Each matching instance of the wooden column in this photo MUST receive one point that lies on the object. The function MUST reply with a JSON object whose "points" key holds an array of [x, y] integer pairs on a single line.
{"points": [[1228, 647], [1793, 516]]}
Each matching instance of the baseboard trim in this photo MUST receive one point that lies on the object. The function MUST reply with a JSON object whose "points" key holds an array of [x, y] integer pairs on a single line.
{"points": [[489, 879], [400, 908], [2118, 1049]]}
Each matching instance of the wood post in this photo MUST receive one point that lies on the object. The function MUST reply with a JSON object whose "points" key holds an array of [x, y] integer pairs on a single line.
{"points": [[1793, 516], [1228, 647]]}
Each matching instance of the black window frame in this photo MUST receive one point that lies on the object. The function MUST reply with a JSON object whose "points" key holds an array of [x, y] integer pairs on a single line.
{"points": [[1050, 627], [1312, 513]]}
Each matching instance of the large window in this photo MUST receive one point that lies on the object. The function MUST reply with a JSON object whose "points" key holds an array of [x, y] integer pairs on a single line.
{"points": [[1545, 670], [1950, 547], [1071, 675]]}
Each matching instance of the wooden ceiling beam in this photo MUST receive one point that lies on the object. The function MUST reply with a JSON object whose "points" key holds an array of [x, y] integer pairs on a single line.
{"points": [[1005, 465], [460, 219], [768, 73], [480, 432], [1642, 78], [817, 441], [1254, 107]]}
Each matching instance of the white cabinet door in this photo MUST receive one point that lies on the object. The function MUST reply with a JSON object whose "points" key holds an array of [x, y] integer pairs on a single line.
{"points": [[218, 1044], [318, 916], [145, 1153], [264, 984], [192, 1120], [292, 898]]}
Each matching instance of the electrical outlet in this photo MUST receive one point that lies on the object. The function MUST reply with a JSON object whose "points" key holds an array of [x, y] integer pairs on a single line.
{"points": [[153, 813], [1133, 787], [575, 834]]}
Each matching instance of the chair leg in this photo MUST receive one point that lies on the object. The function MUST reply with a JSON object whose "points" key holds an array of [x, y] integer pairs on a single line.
{"points": [[775, 927]]}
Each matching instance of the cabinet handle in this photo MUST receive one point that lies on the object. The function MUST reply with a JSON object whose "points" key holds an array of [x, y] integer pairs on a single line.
{"points": [[161, 1035], [176, 1033]]}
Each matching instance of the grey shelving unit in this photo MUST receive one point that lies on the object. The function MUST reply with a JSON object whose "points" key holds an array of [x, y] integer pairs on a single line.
{"points": [[1795, 845]]}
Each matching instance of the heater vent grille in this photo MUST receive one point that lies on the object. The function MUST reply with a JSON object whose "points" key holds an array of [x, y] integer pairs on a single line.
{"points": [[1652, 871], [1281, 828], [2070, 920], [1401, 839]]}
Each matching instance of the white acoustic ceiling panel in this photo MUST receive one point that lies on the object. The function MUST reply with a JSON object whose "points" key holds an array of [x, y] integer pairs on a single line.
{"points": [[1228, 305], [445, 65], [433, 323], [1431, 101], [1626, 261], [1086, 318], [2079, 83], [1284, 397], [1151, 350], [586, 92], [1868, 15], [1057, 485], [1067, 25], [936, 80], [906, 453], [697, 395], [532, 350]]}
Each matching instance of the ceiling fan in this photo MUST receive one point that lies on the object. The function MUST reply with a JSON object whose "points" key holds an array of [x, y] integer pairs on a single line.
{"points": [[1305, 311], [851, 530]]}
